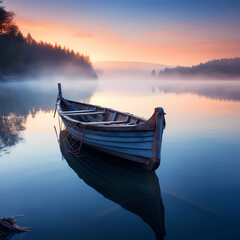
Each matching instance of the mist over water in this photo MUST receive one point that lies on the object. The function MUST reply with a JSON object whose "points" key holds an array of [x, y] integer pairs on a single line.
{"points": [[20, 100], [198, 177]]}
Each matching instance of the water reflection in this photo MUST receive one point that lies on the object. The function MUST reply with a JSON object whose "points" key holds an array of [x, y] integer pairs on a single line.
{"points": [[22, 98], [18, 100], [129, 186], [10, 128], [222, 90], [214, 89]]}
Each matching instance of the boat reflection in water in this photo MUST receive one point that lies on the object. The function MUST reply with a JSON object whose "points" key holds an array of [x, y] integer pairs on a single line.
{"points": [[128, 185]]}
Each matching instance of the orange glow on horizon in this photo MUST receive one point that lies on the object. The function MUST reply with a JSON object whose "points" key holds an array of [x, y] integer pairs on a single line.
{"points": [[105, 45]]}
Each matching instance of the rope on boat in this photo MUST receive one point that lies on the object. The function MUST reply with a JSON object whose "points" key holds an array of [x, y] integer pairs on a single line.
{"points": [[69, 145], [59, 123], [55, 110], [81, 143]]}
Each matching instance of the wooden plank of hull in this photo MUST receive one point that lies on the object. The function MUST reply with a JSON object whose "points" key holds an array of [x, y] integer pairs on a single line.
{"points": [[138, 159], [133, 145], [139, 153], [80, 113], [111, 140], [120, 134], [116, 139], [139, 146], [108, 141], [131, 151]]}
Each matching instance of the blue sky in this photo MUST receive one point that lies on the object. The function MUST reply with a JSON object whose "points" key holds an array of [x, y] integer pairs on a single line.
{"points": [[145, 23]]}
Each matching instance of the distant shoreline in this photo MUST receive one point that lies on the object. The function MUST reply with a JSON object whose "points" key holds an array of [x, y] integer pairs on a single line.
{"points": [[221, 69]]}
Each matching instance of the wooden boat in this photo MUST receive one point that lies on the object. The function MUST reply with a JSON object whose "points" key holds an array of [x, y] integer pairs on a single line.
{"points": [[114, 132], [122, 182]]}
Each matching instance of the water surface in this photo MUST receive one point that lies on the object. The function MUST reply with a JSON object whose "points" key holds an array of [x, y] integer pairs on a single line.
{"points": [[197, 183]]}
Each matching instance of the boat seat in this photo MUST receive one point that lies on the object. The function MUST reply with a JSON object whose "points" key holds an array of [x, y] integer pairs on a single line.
{"points": [[77, 111], [133, 123], [72, 113]]}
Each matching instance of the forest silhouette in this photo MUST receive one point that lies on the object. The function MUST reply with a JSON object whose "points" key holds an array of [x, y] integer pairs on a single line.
{"points": [[23, 55], [220, 68]]}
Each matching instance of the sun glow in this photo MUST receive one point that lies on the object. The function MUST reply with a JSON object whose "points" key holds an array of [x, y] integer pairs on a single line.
{"points": [[103, 44]]}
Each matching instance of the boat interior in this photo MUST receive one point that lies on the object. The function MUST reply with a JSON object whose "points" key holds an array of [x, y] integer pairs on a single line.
{"points": [[92, 114]]}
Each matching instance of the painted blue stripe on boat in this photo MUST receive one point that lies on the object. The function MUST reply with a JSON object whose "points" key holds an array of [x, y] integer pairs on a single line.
{"points": [[129, 157], [128, 134], [140, 145], [137, 152], [111, 138], [144, 146]]}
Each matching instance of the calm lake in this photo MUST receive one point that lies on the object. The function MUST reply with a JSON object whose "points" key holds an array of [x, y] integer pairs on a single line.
{"points": [[194, 194]]}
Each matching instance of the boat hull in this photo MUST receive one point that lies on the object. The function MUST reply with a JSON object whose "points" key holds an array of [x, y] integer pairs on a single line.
{"points": [[130, 145], [117, 133]]}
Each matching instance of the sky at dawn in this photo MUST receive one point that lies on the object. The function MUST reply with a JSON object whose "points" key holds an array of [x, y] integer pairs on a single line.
{"points": [[172, 32]]}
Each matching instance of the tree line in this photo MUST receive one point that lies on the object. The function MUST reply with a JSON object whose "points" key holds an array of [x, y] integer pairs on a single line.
{"points": [[225, 67], [20, 55]]}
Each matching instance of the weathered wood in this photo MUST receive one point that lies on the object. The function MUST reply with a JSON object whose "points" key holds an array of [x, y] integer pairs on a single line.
{"points": [[146, 153], [75, 113], [114, 116], [128, 145], [110, 128], [104, 123], [158, 131], [118, 133], [60, 90], [108, 109], [116, 139], [113, 134], [134, 123]]}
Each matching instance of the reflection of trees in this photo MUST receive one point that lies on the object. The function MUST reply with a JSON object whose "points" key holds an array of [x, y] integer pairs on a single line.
{"points": [[20, 99], [211, 89], [10, 128]]}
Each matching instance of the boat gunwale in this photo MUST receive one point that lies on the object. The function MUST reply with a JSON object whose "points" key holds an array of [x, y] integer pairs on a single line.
{"points": [[110, 109], [147, 125]]}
